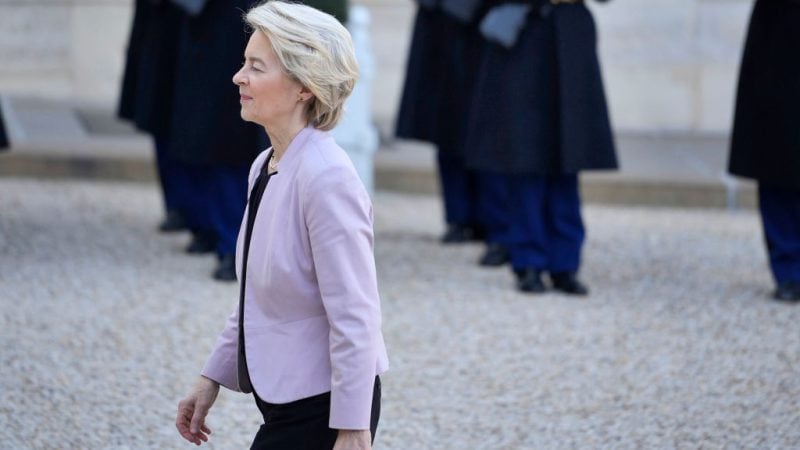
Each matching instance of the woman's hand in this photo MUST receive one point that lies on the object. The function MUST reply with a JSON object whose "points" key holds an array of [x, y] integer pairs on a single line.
{"points": [[353, 440], [192, 411]]}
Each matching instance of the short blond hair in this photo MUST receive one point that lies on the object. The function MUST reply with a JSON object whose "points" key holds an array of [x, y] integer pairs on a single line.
{"points": [[315, 50]]}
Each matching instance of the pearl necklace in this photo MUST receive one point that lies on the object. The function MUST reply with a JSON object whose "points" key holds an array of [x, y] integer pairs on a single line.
{"points": [[272, 164]]}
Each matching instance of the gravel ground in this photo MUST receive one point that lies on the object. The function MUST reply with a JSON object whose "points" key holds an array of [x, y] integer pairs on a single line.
{"points": [[105, 324]]}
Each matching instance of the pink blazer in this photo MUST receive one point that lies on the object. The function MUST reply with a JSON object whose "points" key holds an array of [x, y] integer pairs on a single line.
{"points": [[312, 317]]}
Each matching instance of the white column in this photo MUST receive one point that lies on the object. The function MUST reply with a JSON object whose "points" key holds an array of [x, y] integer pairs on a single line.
{"points": [[356, 133]]}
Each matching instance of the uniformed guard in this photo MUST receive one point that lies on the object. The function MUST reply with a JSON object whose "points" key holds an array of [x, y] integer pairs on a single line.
{"points": [[766, 138], [439, 78], [539, 117], [146, 98]]}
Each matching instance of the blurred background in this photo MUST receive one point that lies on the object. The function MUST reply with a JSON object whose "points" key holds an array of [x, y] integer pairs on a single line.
{"points": [[670, 68]]}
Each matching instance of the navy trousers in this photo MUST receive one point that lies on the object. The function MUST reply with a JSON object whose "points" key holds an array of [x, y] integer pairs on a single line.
{"points": [[546, 229], [780, 215], [459, 190], [176, 186], [218, 203], [495, 207]]}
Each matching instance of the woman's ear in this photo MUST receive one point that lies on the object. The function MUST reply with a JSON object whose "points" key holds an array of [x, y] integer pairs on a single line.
{"points": [[305, 94]]}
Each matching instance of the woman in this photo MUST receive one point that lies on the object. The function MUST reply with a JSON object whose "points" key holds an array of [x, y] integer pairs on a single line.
{"points": [[306, 337], [765, 145]]}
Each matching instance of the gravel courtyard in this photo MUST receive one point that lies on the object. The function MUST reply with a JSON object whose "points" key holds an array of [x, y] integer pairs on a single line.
{"points": [[105, 324]]}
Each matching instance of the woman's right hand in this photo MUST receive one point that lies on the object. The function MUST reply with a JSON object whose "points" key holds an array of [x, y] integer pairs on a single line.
{"points": [[192, 411]]}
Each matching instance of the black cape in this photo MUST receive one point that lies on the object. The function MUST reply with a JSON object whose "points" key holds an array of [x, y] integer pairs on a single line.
{"points": [[540, 108], [418, 116], [147, 84], [765, 145], [440, 78]]}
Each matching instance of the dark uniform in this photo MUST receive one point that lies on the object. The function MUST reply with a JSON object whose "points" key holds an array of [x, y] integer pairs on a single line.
{"points": [[766, 137], [440, 76], [539, 117], [146, 97]]}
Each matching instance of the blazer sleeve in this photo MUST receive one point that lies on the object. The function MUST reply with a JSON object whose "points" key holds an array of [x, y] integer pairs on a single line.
{"points": [[338, 215], [221, 364]]}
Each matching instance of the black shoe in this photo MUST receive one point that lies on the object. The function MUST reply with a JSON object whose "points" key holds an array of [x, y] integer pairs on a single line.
{"points": [[456, 234], [202, 242], [226, 270], [530, 280], [568, 283], [478, 233], [787, 292], [173, 222], [496, 255]]}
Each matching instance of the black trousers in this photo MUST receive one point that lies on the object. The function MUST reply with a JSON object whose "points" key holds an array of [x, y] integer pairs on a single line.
{"points": [[303, 424]]}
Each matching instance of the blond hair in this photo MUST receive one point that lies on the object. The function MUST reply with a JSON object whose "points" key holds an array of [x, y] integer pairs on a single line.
{"points": [[315, 50]]}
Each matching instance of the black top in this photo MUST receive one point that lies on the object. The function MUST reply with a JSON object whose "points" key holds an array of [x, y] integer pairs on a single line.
{"points": [[252, 209]]}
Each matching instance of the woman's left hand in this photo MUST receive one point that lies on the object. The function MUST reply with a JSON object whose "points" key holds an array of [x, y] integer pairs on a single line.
{"points": [[353, 440], [192, 411]]}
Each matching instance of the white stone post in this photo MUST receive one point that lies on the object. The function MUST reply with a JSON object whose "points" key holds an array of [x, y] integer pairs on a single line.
{"points": [[355, 133]]}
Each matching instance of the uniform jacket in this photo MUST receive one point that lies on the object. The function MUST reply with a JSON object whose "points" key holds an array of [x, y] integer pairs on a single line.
{"points": [[312, 319], [539, 108], [766, 137]]}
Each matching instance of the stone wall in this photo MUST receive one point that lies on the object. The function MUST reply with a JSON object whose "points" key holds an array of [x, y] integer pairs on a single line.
{"points": [[670, 65], [71, 49]]}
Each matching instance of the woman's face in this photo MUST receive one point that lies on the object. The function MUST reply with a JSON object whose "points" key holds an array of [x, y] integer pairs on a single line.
{"points": [[267, 95]]}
